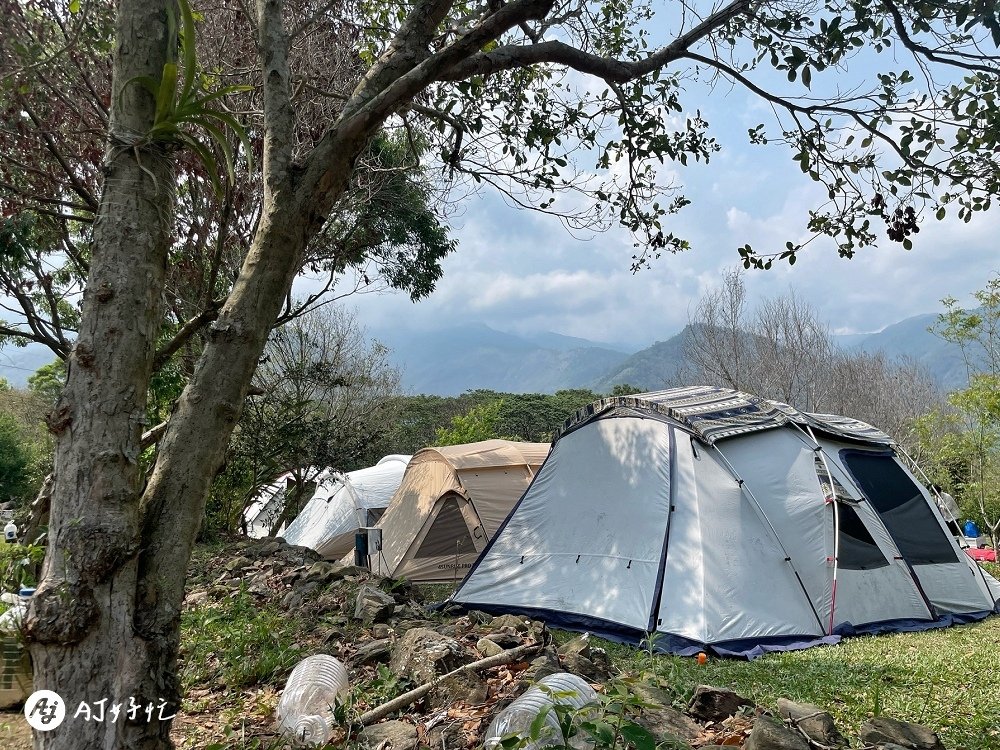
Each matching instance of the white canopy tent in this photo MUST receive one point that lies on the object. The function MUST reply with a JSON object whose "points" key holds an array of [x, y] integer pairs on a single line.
{"points": [[344, 503]]}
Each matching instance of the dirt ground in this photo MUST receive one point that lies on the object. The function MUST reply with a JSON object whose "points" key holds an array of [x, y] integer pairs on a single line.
{"points": [[15, 734]]}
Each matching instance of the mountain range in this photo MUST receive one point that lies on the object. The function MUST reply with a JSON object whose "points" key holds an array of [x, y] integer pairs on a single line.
{"points": [[449, 360]]}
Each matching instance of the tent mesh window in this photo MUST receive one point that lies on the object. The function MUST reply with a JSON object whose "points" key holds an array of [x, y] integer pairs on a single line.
{"points": [[901, 506], [448, 534], [857, 549]]}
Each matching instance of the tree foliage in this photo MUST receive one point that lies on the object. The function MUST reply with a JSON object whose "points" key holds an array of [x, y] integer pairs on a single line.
{"points": [[25, 446], [969, 452], [325, 398]]}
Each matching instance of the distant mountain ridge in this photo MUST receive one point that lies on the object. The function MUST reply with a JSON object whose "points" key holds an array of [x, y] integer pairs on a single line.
{"points": [[450, 360]]}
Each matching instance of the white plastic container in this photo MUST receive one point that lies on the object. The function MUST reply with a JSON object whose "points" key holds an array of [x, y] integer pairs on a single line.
{"points": [[305, 711], [563, 688]]}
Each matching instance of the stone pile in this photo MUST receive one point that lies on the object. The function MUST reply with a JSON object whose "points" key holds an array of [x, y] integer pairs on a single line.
{"points": [[379, 624]]}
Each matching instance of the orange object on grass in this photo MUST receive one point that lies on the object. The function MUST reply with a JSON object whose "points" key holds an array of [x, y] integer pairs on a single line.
{"points": [[702, 657]]}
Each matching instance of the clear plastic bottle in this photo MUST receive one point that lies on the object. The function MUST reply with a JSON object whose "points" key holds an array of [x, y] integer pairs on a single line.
{"points": [[562, 688], [305, 711]]}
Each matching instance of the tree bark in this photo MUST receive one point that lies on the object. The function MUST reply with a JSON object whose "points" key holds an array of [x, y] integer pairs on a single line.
{"points": [[81, 628]]}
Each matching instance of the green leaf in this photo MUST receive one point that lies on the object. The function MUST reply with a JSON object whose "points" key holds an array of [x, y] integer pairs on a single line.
{"points": [[205, 156], [535, 731], [188, 48], [220, 138], [166, 93], [638, 736], [74, 6]]}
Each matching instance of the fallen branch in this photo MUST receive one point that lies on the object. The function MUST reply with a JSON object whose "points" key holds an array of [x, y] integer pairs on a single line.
{"points": [[506, 657]]}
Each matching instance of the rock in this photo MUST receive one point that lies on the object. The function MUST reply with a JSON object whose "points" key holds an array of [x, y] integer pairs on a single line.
{"points": [[423, 654], [447, 736], [329, 602], [373, 652], [601, 659], [504, 640], [715, 704], [519, 624], [479, 617], [237, 563], [403, 625], [813, 721], [274, 546], [373, 605], [883, 731], [400, 590], [543, 665], [381, 630], [398, 734], [195, 598], [664, 721], [767, 734], [464, 688], [579, 645], [581, 665], [294, 598], [322, 573], [488, 647]]}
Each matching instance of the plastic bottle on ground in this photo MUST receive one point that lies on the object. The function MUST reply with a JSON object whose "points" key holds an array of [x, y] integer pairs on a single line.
{"points": [[305, 711], [561, 688]]}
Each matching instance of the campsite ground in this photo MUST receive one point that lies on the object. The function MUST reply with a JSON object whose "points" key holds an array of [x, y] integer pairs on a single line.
{"points": [[243, 634]]}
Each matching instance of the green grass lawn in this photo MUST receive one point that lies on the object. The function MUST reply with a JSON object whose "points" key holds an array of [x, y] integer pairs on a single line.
{"points": [[946, 679]]}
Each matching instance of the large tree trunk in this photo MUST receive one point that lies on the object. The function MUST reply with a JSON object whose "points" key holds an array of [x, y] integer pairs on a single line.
{"points": [[81, 626], [105, 622]]}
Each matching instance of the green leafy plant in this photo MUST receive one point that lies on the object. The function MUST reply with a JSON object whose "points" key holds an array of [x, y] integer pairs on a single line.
{"points": [[190, 105], [19, 565], [605, 724]]}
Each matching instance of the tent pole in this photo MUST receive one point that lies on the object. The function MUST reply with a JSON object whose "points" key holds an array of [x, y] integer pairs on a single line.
{"points": [[774, 532], [832, 498]]}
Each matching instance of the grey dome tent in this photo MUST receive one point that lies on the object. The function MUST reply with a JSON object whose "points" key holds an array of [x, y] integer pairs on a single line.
{"points": [[725, 522]]}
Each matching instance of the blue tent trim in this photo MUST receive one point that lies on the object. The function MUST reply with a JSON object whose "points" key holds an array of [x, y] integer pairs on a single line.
{"points": [[745, 648]]}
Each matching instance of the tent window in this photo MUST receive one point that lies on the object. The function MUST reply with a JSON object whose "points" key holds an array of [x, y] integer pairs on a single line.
{"points": [[857, 548], [448, 534], [901, 506]]}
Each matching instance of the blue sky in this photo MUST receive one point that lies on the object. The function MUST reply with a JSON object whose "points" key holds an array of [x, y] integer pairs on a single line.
{"points": [[517, 270]]}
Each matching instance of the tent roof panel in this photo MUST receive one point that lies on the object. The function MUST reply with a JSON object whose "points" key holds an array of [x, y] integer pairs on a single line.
{"points": [[486, 454], [714, 413]]}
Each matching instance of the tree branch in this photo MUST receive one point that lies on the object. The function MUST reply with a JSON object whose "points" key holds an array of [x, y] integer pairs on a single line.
{"points": [[618, 71], [184, 334], [920, 50], [279, 117]]}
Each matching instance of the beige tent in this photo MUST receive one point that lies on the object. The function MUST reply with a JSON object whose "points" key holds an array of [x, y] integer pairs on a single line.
{"points": [[451, 502]]}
